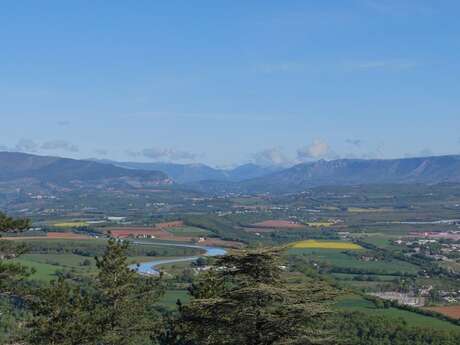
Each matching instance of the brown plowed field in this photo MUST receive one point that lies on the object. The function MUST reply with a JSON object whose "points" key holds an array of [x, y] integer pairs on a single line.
{"points": [[451, 311], [161, 234], [166, 225], [221, 243]]}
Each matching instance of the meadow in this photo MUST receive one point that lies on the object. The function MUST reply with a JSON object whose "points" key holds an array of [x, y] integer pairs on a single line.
{"points": [[339, 260], [357, 303]]}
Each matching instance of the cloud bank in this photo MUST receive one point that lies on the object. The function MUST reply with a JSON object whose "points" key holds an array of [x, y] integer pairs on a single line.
{"points": [[165, 154], [271, 156]]}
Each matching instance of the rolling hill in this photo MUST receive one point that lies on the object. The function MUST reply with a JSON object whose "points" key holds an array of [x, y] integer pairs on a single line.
{"points": [[425, 170], [22, 170], [191, 173]]}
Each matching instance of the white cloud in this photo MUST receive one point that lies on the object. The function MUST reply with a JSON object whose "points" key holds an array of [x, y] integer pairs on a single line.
{"points": [[271, 156], [317, 149]]}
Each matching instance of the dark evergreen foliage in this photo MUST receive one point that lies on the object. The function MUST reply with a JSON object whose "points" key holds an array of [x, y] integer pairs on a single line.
{"points": [[245, 300]]}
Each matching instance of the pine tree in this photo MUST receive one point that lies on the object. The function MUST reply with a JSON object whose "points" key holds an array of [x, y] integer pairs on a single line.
{"points": [[123, 299], [245, 300], [11, 273], [115, 310], [62, 316]]}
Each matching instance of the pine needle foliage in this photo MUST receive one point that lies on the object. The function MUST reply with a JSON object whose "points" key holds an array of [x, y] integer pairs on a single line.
{"points": [[245, 300], [115, 310]]}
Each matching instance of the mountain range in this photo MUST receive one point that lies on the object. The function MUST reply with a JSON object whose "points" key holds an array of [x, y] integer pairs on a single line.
{"points": [[25, 170], [19, 169], [425, 170], [191, 173]]}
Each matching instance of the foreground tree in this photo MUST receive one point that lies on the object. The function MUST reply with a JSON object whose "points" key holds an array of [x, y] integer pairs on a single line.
{"points": [[11, 273], [245, 300], [62, 316], [9, 224], [124, 299], [116, 310], [11, 277]]}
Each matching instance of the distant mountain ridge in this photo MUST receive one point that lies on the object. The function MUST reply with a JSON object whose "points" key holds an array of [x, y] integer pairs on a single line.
{"points": [[22, 170], [191, 173], [26, 169], [426, 170]]}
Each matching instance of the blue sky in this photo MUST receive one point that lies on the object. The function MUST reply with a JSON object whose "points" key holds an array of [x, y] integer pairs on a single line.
{"points": [[226, 82]]}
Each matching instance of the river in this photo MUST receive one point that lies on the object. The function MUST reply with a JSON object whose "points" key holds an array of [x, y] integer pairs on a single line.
{"points": [[149, 268]]}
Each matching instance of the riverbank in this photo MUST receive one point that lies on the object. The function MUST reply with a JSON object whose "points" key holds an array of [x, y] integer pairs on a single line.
{"points": [[149, 268]]}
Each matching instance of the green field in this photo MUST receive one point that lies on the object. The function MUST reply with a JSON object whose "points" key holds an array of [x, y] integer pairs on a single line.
{"points": [[43, 272], [381, 240], [46, 265], [190, 231], [356, 303], [338, 258], [170, 298]]}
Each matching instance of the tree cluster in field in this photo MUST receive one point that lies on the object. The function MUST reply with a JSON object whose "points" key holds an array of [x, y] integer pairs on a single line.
{"points": [[9, 224]]}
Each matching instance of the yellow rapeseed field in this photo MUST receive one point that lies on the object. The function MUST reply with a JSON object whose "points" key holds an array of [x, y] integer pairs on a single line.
{"points": [[326, 245], [320, 224], [70, 224], [368, 210]]}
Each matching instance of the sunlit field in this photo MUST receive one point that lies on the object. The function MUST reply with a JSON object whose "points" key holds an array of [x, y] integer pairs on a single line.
{"points": [[320, 224], [312, 244], [70, 224]]}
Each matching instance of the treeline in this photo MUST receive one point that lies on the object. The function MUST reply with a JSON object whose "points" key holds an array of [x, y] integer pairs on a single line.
{"points": [[97, 248], [361, 329], [352, 270]]}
